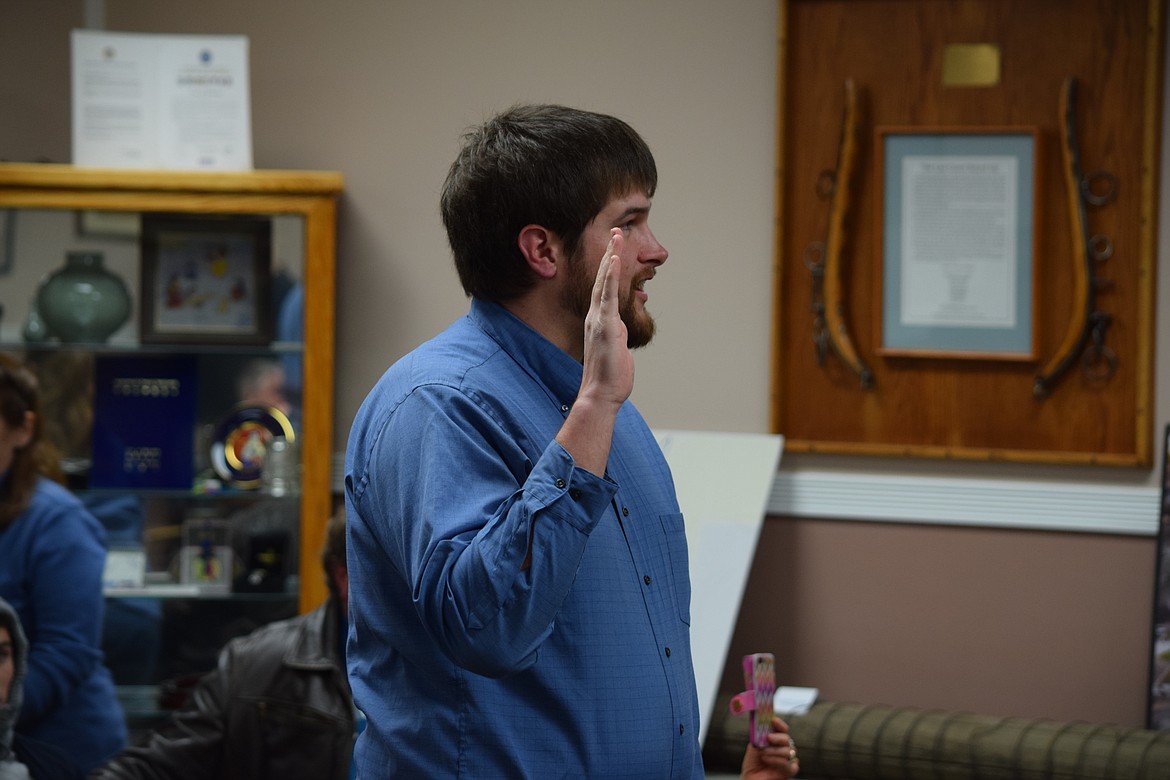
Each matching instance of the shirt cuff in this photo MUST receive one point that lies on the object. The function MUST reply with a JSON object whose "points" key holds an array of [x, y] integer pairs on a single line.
{"points": [[572, 494]]}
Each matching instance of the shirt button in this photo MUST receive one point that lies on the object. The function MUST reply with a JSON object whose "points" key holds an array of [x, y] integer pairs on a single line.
{"points": [[575, 494], [560, 483], [668, 652], [625, 511], [681, 728], [565, 408], [646, 579]]}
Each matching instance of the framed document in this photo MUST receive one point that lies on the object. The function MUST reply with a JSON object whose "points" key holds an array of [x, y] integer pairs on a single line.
{"points": [[158, 100], [957, 238], [962, 344]]}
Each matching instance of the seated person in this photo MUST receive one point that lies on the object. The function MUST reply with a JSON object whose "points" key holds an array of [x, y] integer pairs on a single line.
{"points": [[22, 758], [52, 552], [277, 705], [262, 382]]}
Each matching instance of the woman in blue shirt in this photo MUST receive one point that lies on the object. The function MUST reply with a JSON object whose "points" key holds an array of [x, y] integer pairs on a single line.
{"points": [[52, 552]]}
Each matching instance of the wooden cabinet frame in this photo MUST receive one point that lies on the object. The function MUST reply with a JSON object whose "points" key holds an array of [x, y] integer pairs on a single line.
{"points": [[309, 194]]}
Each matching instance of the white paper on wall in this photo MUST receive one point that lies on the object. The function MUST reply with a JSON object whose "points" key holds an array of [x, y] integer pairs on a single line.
{"points": [[143, 100]]}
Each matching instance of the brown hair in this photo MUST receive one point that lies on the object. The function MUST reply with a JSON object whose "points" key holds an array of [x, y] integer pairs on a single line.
{"points": [[547, 165], [66, 399], [19, 395]]}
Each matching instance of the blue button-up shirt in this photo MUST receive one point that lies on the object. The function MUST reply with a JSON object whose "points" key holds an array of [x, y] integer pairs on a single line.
{"points": [[467, 664]]}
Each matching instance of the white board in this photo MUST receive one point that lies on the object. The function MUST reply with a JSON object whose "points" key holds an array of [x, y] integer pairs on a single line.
{"points": [[723, 481]]}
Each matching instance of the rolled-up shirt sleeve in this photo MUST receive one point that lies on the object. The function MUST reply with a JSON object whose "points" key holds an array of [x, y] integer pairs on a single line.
{"points": [[487, 531]]}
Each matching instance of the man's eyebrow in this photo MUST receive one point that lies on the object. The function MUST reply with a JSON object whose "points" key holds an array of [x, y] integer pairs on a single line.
{"points": [[631, 211]]}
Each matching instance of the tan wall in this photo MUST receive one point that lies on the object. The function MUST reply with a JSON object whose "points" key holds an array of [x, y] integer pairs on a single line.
{"points": [[997, 622], [1008, 623]]}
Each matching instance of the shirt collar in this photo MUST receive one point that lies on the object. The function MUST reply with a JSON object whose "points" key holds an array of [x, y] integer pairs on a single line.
{"points": [[544, 361]]}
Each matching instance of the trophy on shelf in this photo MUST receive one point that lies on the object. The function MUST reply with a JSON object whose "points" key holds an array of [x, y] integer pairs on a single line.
{"points": [[206, 559]]}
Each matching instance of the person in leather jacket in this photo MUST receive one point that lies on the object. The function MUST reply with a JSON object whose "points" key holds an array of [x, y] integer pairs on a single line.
{"points": [[278, 704]]}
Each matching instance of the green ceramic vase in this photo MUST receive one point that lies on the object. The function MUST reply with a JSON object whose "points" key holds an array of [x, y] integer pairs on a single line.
{"points": [[83, 301]]}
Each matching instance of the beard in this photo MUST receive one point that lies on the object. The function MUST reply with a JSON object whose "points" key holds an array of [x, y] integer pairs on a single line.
{"points": [[578, 294]]}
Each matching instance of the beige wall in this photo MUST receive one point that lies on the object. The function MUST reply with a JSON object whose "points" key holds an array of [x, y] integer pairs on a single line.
{"points": [[993, 621], [382, 90]]}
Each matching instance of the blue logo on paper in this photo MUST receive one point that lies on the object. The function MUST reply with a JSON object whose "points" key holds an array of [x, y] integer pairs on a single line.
{"points": [[205, 56]]}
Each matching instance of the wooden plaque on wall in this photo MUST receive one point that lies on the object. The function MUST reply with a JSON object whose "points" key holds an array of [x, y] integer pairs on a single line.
{"points": [[1084, 79]]}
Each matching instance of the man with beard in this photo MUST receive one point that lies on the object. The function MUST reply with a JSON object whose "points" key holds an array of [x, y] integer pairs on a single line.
{"points": [[520, 602]]}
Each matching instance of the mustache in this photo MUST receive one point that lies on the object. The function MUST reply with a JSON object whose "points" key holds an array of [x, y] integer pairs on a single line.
{"points": [[644, 277]]}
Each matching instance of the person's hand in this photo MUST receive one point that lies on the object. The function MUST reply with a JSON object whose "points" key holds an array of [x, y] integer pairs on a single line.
{"points": [[607, 376], [608, 365], [778, 761]]}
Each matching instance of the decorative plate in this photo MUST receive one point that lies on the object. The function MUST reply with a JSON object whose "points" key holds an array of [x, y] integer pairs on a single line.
{"points": [[241, 443]]}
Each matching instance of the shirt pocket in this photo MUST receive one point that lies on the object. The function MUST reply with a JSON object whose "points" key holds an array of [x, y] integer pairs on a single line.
{"points": [[674, 531]]}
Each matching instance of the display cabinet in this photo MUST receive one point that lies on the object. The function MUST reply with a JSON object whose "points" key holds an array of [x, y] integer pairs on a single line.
{"points": [[182, 325]]}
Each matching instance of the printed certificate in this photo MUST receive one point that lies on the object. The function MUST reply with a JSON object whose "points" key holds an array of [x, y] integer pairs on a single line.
{"points": [[161, 101]]}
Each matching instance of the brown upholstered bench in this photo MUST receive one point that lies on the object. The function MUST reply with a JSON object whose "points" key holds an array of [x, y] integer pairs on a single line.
{"points": [[864, 742]]}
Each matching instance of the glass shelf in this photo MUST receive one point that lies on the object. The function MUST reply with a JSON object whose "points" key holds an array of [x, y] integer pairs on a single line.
{"points": [[193, 494], [180, 591], [140, 701], [137, 348]]}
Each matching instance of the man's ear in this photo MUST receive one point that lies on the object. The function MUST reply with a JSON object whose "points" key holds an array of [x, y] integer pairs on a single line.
{"points": [[542, 249]]}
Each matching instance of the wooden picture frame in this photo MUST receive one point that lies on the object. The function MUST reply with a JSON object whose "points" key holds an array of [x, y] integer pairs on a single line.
{"points": [[206, 279], [7, 239], [109, 224], [956, 230], [843, 383]]}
